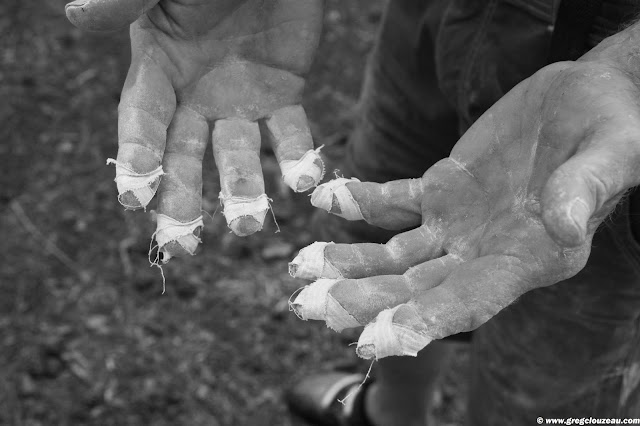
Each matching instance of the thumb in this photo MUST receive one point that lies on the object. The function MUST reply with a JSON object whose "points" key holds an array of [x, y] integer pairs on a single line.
{"points": [[106, 15], [584, 190]]}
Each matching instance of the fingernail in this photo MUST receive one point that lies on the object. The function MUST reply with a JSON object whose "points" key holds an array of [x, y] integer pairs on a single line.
{"points": [[175, 249], [138, 198], [305, 173], [580, 215], [307, 182], [129, 201], [77, 3]]}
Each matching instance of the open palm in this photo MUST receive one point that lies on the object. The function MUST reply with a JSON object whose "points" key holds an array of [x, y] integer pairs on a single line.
{"points": [[210, 69], [514, 207]]}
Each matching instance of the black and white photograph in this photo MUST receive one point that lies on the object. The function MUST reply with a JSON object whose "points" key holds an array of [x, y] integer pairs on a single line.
{"points": [[319, 212]]}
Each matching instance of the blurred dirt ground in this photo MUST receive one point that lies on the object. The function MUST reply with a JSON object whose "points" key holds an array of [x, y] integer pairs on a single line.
{"points": [[86, 337]]}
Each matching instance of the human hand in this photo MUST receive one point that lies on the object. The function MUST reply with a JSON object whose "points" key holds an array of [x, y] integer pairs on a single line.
{"points": [[513, 208], [235, 66]]}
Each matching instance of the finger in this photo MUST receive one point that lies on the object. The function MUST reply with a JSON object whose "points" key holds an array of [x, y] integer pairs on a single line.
{"points": [[353, 303], [106, 15], [392, 205], [301, 165], [584, 190], [471, 295], [236, 148], [328, 260], [146, 107], [180, 192]]}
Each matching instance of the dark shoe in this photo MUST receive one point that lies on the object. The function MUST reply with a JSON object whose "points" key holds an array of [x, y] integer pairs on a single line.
{"points": [[316, 399]]}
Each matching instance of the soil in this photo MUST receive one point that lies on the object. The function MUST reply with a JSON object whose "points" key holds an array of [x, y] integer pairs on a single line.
{"points": [[86, 335]]}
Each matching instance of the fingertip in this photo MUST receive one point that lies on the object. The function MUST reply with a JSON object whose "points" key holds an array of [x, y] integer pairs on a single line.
{"points": [[395, 332], [174, 249], [138, 198], [288, 130], [244, 226], [129, 201], [305, 183], [177, 239], [311, 263], [105, 15], [311, 302], [84, 15], [76, 14], [315, 302], [245, 216], [135, 190]]}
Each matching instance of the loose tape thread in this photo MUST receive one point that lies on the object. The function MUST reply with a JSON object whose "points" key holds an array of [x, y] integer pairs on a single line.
{"points": [[169, 229], [175, 230]]}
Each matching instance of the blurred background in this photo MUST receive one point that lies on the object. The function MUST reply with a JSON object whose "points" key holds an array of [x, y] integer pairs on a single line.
{"points": [[86, 337]]}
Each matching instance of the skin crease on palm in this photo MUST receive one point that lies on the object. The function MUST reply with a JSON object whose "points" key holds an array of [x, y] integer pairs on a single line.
{"points": [[513, 208], [223, 70]]}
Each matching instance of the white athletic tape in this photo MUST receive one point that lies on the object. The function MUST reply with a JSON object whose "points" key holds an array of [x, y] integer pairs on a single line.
{"points": [[293, 170], [323, 196], [169, 229], [235, 207], [382, 338], [141, 185], [311, 263], [337, 317], [314, 302]]}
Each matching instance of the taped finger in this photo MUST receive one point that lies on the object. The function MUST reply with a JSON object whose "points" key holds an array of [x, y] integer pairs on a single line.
{"points": [[467, 298], [301, 165], [328, 260], [393, 205], [180, 193], [395, 332], [145, 111], [236, 148], [345, 303], [106, 15]]}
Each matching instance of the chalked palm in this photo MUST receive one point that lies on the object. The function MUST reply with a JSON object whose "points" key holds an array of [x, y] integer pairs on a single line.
{"points": [[513, 208], [209, 69]]}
